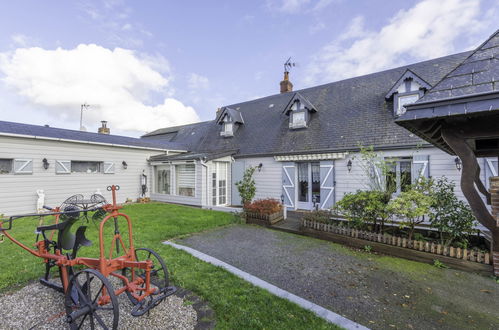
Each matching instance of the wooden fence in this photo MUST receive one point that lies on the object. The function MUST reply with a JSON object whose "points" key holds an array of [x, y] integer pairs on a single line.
{"points": [[464, 254]]}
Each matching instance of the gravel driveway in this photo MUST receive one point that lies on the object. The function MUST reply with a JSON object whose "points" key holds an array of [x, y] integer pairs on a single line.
{"points": [[378, 292]]}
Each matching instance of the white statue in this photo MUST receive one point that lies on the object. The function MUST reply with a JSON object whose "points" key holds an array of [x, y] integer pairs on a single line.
{"points": [[41, 201], [98, 192]]}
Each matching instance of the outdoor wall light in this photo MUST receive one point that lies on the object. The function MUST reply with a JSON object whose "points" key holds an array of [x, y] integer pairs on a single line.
{"points": [[125, 165], [260, 167], [458, 163], [45, 163], [349, 165]]}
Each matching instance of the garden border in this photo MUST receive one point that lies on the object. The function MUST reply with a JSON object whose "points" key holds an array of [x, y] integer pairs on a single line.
{"points": [[350, 238]]}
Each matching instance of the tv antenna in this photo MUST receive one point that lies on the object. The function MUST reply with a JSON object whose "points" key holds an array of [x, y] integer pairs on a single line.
{"points": [[84, 106], [288, 65]]}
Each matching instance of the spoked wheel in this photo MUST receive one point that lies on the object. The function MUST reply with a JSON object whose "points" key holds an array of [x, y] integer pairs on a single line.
{"points": [[90, 302], [158, 280]]}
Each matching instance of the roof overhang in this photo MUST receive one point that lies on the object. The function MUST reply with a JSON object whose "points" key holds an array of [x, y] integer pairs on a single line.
{"points": [[475, 117], [311, 157]]}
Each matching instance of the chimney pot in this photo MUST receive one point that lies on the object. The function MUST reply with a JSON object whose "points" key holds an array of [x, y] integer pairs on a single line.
{"points": [[104, 129]]}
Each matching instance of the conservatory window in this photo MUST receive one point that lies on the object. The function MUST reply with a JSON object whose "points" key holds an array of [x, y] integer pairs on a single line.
{"points": [[163, 179], [185, 179]]}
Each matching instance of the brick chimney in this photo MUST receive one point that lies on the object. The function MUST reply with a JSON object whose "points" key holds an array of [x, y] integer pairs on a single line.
{"points": [[286, 85], [104, 129]]}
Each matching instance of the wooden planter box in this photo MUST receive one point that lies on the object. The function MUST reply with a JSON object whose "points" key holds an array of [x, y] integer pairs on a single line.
{"points": [[264, 219]]}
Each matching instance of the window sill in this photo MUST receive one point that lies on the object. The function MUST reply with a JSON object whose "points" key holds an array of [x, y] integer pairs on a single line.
{"points": [[226, 134]]}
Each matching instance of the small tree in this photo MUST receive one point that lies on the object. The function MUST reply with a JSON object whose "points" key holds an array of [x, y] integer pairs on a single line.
{"points": [[411, 206], [453, 218], [375, 168], [247, 186]]}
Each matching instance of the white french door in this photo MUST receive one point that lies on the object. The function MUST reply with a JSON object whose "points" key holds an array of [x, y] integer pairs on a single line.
{"points": [[308, 185], [219, 183]]}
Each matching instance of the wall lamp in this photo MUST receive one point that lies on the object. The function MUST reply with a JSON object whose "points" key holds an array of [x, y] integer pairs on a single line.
{"points": [[260, 167], [45, 163], [125, 165], [349, 165], [459, 165]]}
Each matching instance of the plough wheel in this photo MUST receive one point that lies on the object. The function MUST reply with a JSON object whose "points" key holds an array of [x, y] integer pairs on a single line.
{"points": [[90, 302], [159, 272]]}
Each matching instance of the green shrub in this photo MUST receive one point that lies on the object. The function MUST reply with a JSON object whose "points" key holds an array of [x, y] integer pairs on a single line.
{"points": [[452, 217], [247, 186], [365, 208]]}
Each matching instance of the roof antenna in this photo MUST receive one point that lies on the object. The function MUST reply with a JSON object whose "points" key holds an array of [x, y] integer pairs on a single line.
{"points": [[288, 64], [83, 106]]}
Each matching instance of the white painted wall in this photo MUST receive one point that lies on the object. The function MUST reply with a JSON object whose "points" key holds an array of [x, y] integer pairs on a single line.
{"points": [[18, 191]]}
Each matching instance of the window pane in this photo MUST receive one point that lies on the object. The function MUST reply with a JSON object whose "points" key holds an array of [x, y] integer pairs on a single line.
{"points": [[403, 100], [316, 182], [405, 175], [163, 179], [228, 127], [298, 118], [222, 183], [85, 167], [391, 178], [214, 188], [303, 182], [185, 179], [5, 166]]}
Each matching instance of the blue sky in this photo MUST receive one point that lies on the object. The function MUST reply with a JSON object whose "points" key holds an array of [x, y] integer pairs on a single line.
{"points": [[143, 65]]}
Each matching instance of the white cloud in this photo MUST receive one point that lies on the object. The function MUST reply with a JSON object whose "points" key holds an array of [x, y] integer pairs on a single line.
{"points": [[318, 26], [119, 84], [197, 81], [427, 30], [20, 40]]}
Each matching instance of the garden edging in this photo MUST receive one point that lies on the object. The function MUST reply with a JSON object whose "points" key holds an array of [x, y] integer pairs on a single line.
{"points": [[317, 230]]}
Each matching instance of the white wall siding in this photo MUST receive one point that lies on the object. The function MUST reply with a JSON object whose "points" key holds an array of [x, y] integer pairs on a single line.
{"points": [[18, 191], [269, 179]]}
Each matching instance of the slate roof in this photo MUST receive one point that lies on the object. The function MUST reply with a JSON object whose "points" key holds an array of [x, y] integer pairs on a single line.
{"points": [[477, 74], [189, 136], [349, 112], [235, 115], [74, 135]]}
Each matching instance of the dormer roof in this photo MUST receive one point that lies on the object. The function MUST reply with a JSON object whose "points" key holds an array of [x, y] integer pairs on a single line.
{"points": [[408, 75], [234, 115], [303, 100]]}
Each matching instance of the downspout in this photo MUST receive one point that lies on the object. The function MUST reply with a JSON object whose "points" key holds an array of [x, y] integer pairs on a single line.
{"points": [[202, 161]]}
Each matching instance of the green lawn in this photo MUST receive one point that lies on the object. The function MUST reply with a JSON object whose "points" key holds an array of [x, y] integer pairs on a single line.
{"points": [[237, 304]]}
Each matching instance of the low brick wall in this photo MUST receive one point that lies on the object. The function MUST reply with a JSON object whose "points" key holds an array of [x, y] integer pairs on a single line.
{"points": [[494, 192]]}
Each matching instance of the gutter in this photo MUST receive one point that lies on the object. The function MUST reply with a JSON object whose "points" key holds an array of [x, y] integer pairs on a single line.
{"points": [[25, 136]]}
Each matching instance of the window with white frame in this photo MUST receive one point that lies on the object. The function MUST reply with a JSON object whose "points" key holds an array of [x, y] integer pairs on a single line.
{"points": [[5, 166], [219, 183], [85, 166], [399, 174], [403, 100], [163, 179], [185, 179], [228, 128], [298, 118]]}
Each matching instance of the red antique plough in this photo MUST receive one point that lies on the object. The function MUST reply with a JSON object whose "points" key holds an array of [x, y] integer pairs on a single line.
{"points": [[91, 293]]}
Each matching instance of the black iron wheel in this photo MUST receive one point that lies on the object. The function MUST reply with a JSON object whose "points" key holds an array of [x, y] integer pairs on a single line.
{"points": [[84, 305], [159, 273]]}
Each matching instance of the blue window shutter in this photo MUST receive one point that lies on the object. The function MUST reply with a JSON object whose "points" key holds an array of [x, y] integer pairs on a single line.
{"points": [[288, 184], [490, 169], [420, 167], [327, 184]]}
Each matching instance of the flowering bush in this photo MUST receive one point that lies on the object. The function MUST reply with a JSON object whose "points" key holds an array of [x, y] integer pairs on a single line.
{"points": [[264, 206]]}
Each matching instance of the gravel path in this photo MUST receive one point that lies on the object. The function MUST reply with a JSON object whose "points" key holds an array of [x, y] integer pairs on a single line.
{"points": [[375, 292], [38, 307]]}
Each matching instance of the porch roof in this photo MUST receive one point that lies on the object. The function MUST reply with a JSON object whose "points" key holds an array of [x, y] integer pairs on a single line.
{"points": [[205, 156]]}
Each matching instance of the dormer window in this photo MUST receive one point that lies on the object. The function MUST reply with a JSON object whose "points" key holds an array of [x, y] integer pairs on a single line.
{"points": [[230, 120], [299, 110], [407, 90], [228, 129], [403, 100]]}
